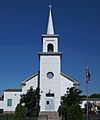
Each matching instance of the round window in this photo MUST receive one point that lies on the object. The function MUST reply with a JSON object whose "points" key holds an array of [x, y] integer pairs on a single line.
{"points": [[50, 75]]}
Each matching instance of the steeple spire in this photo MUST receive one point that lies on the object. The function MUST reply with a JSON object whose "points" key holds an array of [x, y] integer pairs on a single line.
{"points": [[50, 28]]}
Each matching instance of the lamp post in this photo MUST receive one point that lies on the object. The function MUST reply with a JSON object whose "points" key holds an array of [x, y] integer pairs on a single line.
{"points": [[23, 104]]}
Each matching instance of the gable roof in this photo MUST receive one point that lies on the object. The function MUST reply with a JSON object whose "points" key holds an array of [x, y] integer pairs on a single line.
{"points": [[70, 78], [64, 75], [29, 78]]}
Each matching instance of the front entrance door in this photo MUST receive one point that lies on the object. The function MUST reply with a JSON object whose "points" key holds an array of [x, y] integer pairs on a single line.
{"points": [[49, 105], [49, 102]]}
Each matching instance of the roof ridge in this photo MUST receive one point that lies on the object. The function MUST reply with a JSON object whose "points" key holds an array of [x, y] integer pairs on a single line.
{"points": [[27, 79], [69, 77]]}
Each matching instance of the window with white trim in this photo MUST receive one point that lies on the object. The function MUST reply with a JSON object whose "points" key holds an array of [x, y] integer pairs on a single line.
{"points": [[9, 102]]}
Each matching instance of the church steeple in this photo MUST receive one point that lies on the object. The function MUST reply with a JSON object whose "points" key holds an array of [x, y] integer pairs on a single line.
{"points": [[50, 28], [50, 39]]}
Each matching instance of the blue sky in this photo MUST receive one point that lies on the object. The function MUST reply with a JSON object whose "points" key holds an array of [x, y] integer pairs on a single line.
{"points": [[22, 22]]}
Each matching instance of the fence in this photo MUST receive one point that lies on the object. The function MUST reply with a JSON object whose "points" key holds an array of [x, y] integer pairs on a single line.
{"points": [[6, 117], [93, 117], [12, 117]]}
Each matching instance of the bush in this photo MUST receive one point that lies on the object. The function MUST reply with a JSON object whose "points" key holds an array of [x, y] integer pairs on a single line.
{"points": [[75, 112], [20, 113], [70, 108]]}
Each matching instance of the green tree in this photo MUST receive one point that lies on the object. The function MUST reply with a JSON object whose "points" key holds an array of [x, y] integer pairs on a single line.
{"points": [[20, 113], [29, 105], [95, 95], [75, 112], [70, 108], [31, 101]]}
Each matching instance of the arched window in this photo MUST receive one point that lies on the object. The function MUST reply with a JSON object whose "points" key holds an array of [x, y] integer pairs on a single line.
{"points": [[50, 47]]}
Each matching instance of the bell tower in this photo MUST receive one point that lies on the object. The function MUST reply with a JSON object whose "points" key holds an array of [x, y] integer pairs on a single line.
{"points": [[50, 69], [50, 40]]}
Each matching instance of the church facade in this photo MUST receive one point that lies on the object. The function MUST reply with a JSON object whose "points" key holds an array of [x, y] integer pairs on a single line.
{"points": [[52, 81]]}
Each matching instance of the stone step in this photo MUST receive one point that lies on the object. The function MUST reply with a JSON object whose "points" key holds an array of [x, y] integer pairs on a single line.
{"points": [[49, 116]]}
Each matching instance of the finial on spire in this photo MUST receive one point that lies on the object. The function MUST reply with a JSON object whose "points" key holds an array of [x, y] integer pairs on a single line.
{"points": [[50, 6], [50, 29]]}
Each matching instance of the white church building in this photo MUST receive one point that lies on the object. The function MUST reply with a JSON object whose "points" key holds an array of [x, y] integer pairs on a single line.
{"points": [[52, 81]]}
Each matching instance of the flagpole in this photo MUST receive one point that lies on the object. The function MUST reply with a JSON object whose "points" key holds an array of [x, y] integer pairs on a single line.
{"points": [[87, 112], [87, 87]]}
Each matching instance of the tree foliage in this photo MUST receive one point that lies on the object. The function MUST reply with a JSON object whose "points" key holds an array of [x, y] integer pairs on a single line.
{"points": [[72, 96], [74, 112], [70, 108], [95, 95], [30, 100], [20, 113]]}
